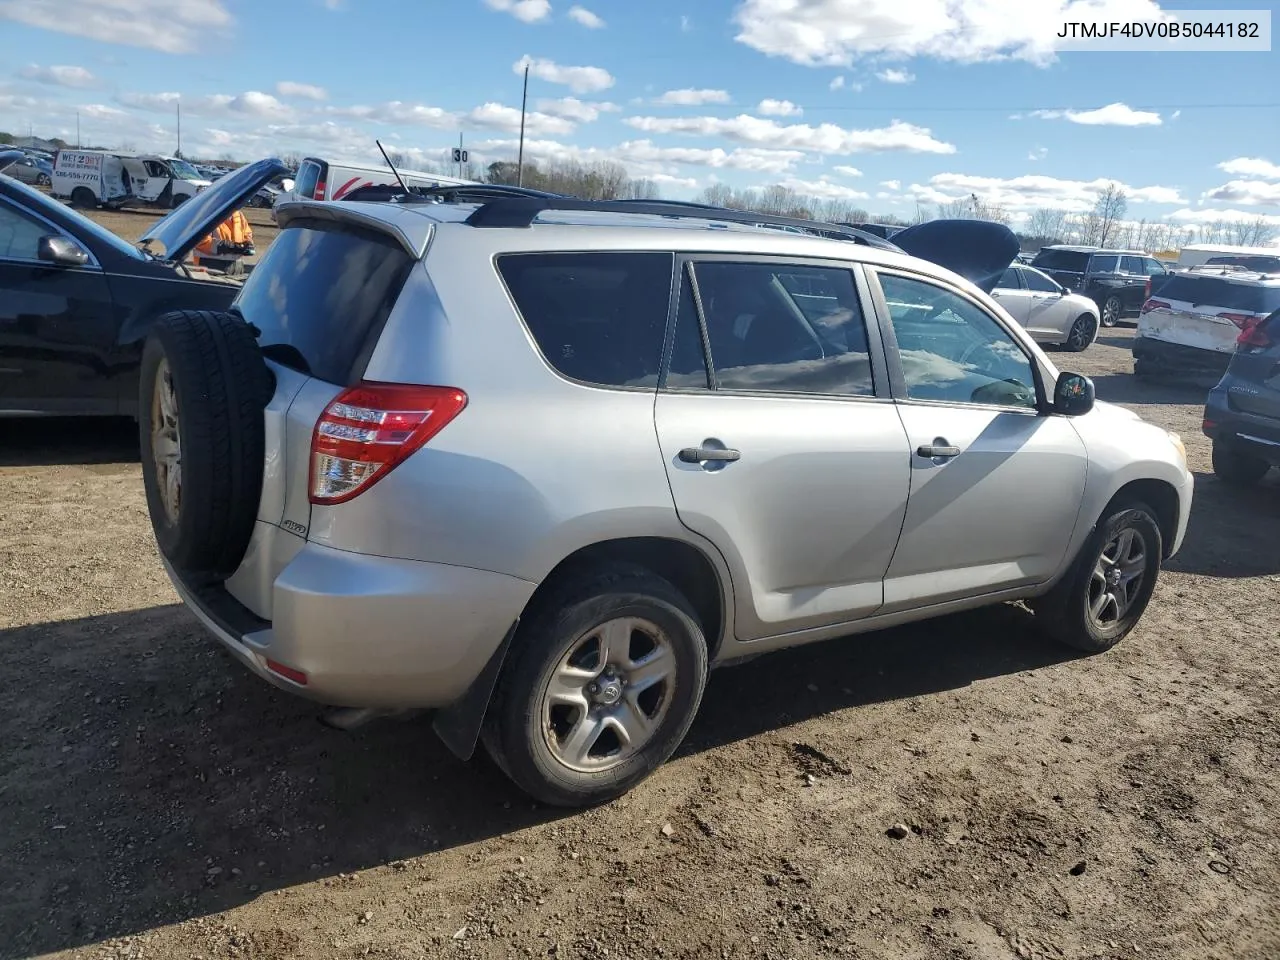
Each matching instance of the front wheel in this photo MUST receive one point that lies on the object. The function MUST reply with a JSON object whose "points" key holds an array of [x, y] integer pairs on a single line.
{"points": [[43, 180], [83, 198], [1102, 598], [600, 687], [1111, 310], [1082, 333]]}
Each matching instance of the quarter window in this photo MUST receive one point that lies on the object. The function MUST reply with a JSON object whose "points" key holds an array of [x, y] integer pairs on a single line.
{"points": [[1009, 280], [19, 235], [1039, 282], [953, 351], [597, 317], [1132, 266], [779, 328]]}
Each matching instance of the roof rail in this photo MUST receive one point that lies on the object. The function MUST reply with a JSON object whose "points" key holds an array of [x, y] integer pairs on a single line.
{"points": [[521, 212]]}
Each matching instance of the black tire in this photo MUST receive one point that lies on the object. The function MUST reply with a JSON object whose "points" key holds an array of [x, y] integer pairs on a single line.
{"points": [[83, 198], [1143, 369], [43, 180], [1236, 467], [1082, 333], [1110, 310], [515, 734], [1065, 611], [221, 385]]}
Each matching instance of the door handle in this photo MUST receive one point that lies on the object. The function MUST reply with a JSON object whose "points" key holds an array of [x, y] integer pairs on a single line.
{"points": [[703, 454], [937, 450]]}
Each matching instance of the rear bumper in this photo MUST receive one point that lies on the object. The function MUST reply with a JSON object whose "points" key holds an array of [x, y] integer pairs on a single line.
{"points": [[1256, 434], [1175, 358], [367, 631]]}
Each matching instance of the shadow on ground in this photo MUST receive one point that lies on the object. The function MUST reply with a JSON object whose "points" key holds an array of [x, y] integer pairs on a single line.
{"points": [[1126, 388], [51, 441], [1233, 530], [140, 758]]}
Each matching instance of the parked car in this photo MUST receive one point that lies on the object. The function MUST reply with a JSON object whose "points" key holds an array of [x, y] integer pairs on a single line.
{"points": [[1116, 280], [76, 301], [1193, 321], [1046, 310], [32, 170], [1242, 415], [92, 178], [478, 458]]}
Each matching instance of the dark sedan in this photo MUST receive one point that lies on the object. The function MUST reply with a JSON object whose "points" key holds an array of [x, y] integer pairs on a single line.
{"points": [[76, 301]]}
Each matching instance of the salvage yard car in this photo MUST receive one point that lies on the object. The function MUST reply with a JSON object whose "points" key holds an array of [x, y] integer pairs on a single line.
{"points": [[539, 463], [1242, 415], [76, 301], [1116, 280], [1194, 319], [1046, 310]]}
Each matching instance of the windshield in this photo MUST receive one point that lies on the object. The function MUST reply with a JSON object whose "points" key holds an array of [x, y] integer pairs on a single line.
{"points": [[185, 171]]}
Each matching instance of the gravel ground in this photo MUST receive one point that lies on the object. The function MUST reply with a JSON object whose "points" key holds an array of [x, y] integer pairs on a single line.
{"points": [[959, 789]]}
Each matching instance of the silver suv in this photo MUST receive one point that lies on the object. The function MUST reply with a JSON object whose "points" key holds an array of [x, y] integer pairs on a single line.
{"points": [[538, 466]]}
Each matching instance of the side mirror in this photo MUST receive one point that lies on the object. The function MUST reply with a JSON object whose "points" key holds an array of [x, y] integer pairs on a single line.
{"points": [[60, 250], [1073, 395]]}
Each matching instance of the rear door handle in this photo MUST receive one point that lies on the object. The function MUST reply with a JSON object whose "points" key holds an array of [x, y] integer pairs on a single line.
{"points": [[704, 454], [937, 450]]}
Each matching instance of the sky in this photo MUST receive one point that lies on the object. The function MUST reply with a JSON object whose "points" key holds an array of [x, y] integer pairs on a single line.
{"points": [[886, 103]]}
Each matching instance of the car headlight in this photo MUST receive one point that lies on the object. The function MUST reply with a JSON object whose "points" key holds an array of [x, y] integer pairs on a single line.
{"points": [[1179, 446]]}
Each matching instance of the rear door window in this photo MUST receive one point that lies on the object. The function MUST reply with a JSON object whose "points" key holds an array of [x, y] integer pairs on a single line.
{"points": [[1132, 266], [1072, 260], [1009, 279], [598, 318], [1039, 282], [1105, 263], [321, 295]]}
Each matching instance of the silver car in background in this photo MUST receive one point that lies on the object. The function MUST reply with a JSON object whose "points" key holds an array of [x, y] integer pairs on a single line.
{"points": [[539, 464], [1046, 309]]}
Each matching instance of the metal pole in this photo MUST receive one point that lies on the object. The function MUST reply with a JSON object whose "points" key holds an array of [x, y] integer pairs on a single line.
{"points": [[77, 129], [178, 105], [524, 103], [459, 154]]}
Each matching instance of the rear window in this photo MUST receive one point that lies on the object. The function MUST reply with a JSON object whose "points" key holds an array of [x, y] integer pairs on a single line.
{"points": [[321, 295], [1061, 260], [597, 317], [308, 174], [1216, 292]]}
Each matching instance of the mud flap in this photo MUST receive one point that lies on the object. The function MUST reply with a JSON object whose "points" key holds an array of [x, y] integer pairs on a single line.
{"points": [[458, 724]]}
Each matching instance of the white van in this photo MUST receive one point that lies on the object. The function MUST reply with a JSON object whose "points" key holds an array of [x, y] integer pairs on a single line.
{"points": [[96, 177], [332, 180], [1253, 258]]}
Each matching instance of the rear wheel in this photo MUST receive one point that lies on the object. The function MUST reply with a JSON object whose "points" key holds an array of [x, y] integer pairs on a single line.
{"points": [[1112, 307], [1102, 598], [601, 685], [43, 180], [1082, 333], [202, 390], [83, 198], [1237, 467]]}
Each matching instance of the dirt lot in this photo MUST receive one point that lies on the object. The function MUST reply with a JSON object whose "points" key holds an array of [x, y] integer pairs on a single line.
{"points": [[131, 224], [157, 801]]}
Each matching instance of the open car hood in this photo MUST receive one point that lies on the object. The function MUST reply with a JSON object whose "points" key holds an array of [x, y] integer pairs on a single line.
{"points": [[9, 156], [181, 230], [978, 250]]}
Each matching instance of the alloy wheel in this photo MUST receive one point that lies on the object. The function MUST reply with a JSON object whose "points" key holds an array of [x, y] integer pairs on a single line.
{"points": [[1117, 577], [1111, 312], [166, 441]]}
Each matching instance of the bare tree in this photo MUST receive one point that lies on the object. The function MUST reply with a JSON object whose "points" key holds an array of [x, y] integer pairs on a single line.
{"points": [[1253, 233], [1047, 223], [1108, 210], [955, 209]]}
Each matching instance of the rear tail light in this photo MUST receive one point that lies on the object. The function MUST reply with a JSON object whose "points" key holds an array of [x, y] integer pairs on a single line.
{"points": [[366, 431], [1252, 333], [1155, 305], [318, 192]]}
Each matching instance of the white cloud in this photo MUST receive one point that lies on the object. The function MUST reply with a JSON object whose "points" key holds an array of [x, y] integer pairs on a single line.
{"points": [[1175, 115], [1031, 191], [585, 17], [496, 116], [778, 108], [1248, 192], [307, 91], [571, 108], [397, 111], [847, 171], [1038, 153], [837, 83], [529, 11], [838, 32], [666, 179], [685, 24], [645, 158], [1251, 167], [491, 116], [1205, 215], [823, 189], [577, 79], [251, 103], [825, 138], [891, 184], [1112, 115], [692, 98], [894, 75], [186, 23], [60, 76]]}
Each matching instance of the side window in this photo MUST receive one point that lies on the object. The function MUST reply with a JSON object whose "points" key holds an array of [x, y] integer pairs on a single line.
{"points": [[1132, 266], [596, 317], [785, 329], [19, 234], [305, 185], [1009, 279], [1107, 263], [688, 367], [1154, 267], [1039, 282], [952, 350]]}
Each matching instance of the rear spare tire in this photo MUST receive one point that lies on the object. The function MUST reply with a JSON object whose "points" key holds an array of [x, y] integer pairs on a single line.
{"points": [[202, 389]]}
